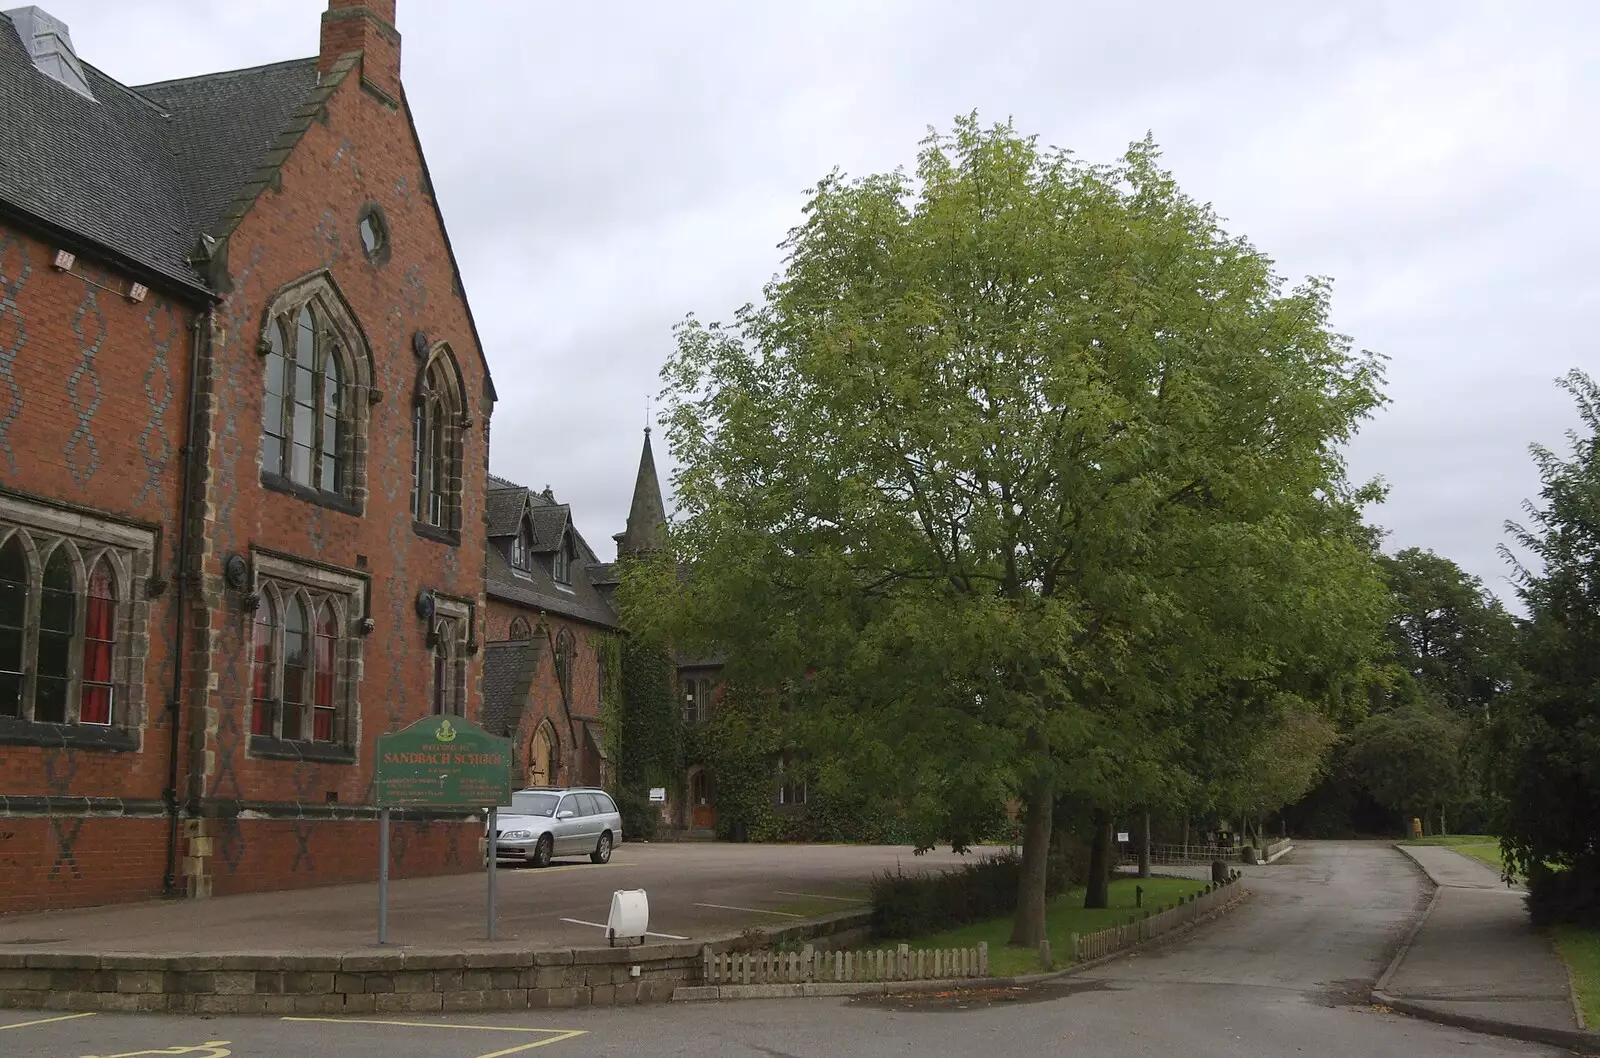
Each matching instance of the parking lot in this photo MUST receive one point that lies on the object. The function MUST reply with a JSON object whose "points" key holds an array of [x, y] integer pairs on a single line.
{"points": [[695, 890]]}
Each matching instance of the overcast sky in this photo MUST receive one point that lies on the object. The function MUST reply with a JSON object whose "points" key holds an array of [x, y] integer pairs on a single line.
{"points": [[606, 168]]}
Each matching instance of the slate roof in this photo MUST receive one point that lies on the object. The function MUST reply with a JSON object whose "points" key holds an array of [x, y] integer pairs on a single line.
{"points": [[505, 507], [536, 588], [101, 168], [508, 671], [549, 524], [223, 123]]}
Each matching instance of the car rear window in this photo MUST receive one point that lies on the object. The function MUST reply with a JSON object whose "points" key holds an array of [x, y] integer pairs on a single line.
{"points": [[591, 804], [607, 806]]}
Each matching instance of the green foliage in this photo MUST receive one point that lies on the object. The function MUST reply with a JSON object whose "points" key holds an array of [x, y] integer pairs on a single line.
{"points": [[608, 648], [1549, 736], [1019, 460], [641, 820], [909, 905], [1451, 638], [651, 752], [1410, 758]]}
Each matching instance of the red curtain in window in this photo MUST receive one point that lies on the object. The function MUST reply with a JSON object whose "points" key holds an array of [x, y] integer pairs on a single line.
{"points": [[99, 641], [261, 715], [323, 714]]}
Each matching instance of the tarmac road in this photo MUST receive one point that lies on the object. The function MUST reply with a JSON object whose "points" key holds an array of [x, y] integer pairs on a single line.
{"points": [[1285, 974]]}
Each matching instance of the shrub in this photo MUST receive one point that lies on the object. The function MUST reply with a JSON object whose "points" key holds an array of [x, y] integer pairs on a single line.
{"points": [[640, 818], [908, 905]]}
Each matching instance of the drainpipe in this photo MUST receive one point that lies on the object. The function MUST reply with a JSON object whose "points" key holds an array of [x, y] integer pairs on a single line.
{"points": [[202, 337]]}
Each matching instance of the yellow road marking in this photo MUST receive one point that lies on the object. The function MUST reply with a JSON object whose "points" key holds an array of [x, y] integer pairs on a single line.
{"points": [[212, 1049], [551, 1035], [570, 1034], [46, 1021]]}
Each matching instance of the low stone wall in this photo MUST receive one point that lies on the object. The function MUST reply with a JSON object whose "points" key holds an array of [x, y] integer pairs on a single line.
{"points": [[383, 982]]}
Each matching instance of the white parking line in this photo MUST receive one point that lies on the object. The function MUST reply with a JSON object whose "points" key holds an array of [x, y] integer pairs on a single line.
{"points": [[601, 925], [752, 910], [821, 896]]}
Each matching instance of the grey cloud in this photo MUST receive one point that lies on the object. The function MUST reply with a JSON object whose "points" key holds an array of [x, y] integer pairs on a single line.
{"points": [[607, 168]]}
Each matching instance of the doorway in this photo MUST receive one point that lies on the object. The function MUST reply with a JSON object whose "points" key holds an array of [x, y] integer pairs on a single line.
{"points": [[702, 801]]}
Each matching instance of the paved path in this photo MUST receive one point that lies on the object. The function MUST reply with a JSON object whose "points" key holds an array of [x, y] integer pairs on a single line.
{"points": [[1282, 975], [696, 890], [1477, 955]]}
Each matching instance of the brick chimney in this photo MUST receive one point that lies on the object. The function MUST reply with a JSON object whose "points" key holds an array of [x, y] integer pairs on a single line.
{"points": [[366, 26]]}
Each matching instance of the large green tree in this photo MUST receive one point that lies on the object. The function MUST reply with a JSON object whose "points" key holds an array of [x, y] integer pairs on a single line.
{"points": [[1018, 459], [1450, 636], [1549, 739]]}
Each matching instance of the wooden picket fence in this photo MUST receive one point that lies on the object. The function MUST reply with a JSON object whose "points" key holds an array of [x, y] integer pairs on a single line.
{"points": [[809, 965], [1149, 925]]}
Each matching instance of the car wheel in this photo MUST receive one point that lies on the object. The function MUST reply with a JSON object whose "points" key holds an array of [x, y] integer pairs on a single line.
{"points": [[602, 851], [542, 851]]}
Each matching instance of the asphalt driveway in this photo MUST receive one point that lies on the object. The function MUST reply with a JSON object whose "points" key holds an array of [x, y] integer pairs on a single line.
{"points": [[695, 889]]}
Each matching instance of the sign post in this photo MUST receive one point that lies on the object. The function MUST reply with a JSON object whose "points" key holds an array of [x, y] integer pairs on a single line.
{"points": [[383, 875], [440, 762]]}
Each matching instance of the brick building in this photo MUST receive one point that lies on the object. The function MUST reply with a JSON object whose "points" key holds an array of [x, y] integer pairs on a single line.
{"points": [[550, 646], [244, 433]]}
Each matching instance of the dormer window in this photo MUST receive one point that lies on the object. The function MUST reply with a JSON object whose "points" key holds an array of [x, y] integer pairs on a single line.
{"points": [[561, 565], [522, 548]]}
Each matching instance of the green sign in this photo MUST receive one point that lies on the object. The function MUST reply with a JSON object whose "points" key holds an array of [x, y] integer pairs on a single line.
{"points": [[443, 762]]}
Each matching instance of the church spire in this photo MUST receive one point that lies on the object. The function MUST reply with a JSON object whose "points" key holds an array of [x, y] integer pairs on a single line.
{"points": [[647, 517]]}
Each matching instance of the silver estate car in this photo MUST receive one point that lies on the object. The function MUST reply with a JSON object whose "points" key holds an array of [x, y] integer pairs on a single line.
{"points": [[543, 823]]}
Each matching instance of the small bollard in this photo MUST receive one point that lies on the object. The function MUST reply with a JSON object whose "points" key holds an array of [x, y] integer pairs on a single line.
{"points": [[1138, 896], [1045, 962]]}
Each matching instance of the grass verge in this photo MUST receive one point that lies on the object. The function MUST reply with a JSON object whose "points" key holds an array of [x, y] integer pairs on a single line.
{"points": [[1580, 949], [1065, 916]]}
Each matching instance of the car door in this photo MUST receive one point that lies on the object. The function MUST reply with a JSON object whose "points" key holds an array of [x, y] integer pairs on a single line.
{"points": [[567, 833], [592, 819]]}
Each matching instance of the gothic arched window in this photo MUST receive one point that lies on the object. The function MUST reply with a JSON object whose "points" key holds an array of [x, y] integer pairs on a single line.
{"points": [[298, 691], [519, 629], [302, 435], [436, 429]]}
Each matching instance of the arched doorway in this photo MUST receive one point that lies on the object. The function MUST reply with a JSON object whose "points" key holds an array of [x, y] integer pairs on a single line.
{"points": [[542, 756], [702, 800]]}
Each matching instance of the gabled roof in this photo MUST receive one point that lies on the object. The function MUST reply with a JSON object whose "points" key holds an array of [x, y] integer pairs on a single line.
{"points": [[508, 671], [535, 588], [506, 505], [549, 526], [222, 124]]}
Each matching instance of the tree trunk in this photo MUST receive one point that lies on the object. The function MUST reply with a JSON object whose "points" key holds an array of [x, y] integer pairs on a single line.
{"points": [[1098, 891], [1144, 845], [1028, 927], [1186, 836]]}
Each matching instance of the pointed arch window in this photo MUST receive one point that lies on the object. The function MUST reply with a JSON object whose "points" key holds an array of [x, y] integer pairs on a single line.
{"points": [[13, 625], [519, 629], [264, 702], [99, 646], [563, 663], [302, 685], [58, 620], [302, 436], [436, 449], [71, 650], [62, 659]]}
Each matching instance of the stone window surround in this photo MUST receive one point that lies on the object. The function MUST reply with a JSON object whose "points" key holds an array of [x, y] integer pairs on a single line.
{"points": [[450, 629], [439, 401], [337, 323], [348, 590], [133, 549]]}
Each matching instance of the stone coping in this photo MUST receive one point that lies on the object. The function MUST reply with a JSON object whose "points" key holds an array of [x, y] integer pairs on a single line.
{"points": [[410, 980]]}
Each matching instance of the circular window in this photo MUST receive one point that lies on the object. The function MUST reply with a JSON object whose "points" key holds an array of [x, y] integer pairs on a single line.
{"points": [[374, 234]]}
